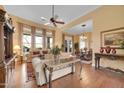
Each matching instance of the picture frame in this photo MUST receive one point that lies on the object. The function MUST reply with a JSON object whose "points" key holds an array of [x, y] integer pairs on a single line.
{"points": [[113, 38]]}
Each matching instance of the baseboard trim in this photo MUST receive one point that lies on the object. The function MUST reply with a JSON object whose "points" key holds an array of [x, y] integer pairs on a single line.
{"points": [[116, 70]]}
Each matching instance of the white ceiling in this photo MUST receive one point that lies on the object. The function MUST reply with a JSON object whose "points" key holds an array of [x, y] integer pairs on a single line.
{"points": [[78, 29], [65, 12]]}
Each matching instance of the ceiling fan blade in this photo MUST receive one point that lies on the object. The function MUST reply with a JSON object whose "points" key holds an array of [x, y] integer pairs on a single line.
{"points": [[59, 22], [44, 19]]}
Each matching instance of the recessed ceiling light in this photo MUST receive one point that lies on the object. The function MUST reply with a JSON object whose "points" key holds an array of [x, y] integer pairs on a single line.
{"points": [[83, 25]]}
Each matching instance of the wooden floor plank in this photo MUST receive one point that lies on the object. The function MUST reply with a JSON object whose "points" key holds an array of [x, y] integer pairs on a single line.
{"points": [[91, 78]]}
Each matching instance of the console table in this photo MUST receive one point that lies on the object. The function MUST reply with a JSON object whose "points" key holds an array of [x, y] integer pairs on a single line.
{"points": [[98, 56], [51, 66]]}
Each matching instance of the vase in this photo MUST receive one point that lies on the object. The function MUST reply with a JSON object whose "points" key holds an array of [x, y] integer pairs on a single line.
{"points": [[108, 49], [113, 51], [101, 50], [56, 58]]}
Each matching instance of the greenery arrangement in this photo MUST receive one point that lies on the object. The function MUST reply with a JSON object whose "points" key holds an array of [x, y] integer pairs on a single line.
{"points": [[122, 44], [56, 50], [76, 45], [62, 47]]}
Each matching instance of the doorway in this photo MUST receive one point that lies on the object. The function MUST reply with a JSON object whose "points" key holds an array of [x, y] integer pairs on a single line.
{"points": [[68, 44]]}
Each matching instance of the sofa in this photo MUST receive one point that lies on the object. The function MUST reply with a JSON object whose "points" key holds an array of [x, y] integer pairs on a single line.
{"points": [[38, 65]]}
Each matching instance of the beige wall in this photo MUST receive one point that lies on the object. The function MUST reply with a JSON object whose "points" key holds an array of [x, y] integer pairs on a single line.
{"points": [[104, 18], [108, 17], [1, 7], [58, 37], [76, 38]]}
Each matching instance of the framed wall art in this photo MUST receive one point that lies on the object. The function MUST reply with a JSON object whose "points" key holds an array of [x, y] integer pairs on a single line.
{"points": [[113, 38]]}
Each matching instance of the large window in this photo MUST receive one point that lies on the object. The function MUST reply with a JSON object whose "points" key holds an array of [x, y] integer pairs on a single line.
{"points": [[38, 39], [38, 42], [26, 39], [26, 42], [34, 38]]}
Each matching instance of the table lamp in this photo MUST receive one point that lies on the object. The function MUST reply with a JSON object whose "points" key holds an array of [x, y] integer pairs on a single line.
{"points": [[16, 49]]}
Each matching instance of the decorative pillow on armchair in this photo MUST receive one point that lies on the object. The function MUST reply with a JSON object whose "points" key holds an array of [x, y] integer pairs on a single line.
{"points": [[36, 52], [45, 52]]}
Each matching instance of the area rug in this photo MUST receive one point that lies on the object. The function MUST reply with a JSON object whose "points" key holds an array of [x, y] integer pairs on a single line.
{"points": [[30, 72]]}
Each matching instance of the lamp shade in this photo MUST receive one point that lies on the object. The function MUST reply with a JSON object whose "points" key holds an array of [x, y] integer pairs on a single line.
{"points": [[17, 47]]}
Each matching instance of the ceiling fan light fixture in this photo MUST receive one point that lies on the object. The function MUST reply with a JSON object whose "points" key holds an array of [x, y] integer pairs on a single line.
{"points": [[52, 19], [43, 18]]}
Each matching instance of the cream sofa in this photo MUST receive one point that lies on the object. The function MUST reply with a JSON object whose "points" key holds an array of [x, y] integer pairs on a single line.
{"points": [[38, 66]]}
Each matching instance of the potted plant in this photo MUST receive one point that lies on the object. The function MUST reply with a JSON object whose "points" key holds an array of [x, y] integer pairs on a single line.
{"points": [[56, 51], [62, 47]]}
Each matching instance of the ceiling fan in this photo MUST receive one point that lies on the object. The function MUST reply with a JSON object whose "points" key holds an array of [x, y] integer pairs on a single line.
{"points": [[54, 19]]}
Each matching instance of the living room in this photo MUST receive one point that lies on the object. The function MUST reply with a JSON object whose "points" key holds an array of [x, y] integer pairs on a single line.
{"points": [[84, 38]]}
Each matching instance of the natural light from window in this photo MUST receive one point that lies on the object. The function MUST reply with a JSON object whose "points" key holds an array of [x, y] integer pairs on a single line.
{"points": [[38, 41], [82, 42], [27, 41]]}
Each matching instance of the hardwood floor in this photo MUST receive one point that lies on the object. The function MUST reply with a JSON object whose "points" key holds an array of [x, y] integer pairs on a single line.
{"points": [[91, 79]]}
